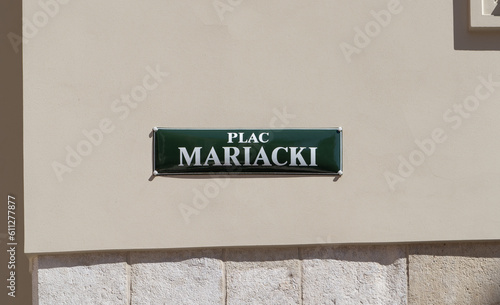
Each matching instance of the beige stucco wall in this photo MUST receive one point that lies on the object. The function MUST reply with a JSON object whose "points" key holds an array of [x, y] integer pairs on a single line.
{"points": [[98, 75]]}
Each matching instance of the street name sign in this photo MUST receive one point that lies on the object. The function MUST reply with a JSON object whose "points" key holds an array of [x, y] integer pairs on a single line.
{"points": [[247, 151]]}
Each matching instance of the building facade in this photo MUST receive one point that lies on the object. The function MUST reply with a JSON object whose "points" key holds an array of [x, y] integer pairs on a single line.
{"points": [[411, 217]]}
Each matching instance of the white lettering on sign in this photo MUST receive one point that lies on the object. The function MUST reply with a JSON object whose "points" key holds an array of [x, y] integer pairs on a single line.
{"points": [[261, 157], [295, 157], [274, 156], [252, 139], [189, 158]]}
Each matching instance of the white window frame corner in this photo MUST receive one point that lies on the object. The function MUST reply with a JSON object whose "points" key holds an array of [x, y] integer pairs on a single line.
{"points": [[480, 15]]}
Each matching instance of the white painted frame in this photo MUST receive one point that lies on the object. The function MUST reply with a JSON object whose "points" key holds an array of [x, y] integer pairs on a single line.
{"points": [[480, 15]]}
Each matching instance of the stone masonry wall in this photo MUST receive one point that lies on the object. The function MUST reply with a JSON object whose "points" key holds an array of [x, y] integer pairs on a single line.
{"points": [[440, 273]]}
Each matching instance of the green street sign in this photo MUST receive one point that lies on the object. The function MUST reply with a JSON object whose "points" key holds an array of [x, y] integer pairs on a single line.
{"points": [[247, 151]]}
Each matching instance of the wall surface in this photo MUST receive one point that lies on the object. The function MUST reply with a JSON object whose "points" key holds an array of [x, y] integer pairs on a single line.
{"points": [[415, 91], [414, 88], [415, 274]]}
